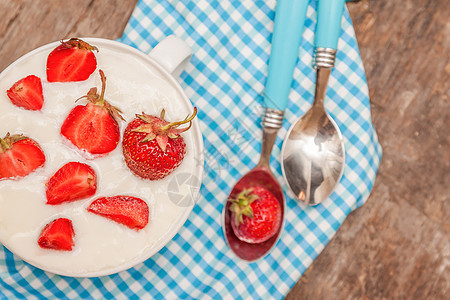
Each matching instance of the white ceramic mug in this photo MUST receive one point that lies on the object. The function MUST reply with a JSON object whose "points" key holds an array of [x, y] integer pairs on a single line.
{"points": [[135, 81]]}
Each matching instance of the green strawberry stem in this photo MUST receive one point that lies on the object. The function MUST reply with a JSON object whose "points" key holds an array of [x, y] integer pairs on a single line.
{"points": [[155, 129], [80, 44], [241, 205], [176, 124], [7, 142], [3, 145], [101, 100], [93, 97]]}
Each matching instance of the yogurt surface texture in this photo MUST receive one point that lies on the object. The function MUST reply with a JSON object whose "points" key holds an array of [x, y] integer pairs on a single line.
{"points": [[135, 84]]}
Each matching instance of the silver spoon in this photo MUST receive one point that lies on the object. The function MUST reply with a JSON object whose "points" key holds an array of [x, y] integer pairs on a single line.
{"points": [[289, 21], [313, 153]]}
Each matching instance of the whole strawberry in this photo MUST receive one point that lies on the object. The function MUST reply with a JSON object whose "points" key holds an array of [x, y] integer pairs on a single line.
{"points": [[73, 60], [152, 147], [19, 156], [93, 127], [255, 215]]}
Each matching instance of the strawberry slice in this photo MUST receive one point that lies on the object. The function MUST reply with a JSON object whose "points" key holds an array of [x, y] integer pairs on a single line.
{"points": [[93, 127], [73, 60], [19, 156], [27, 93], [129, 211], [73, 181], [57, 235]]}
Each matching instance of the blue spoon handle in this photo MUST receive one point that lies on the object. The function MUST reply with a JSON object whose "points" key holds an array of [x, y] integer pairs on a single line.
{"points": [[329, 17], [287, 35]]}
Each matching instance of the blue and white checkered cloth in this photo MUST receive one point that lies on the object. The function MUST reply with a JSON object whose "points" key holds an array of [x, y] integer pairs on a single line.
{"points": [[225, 80]]}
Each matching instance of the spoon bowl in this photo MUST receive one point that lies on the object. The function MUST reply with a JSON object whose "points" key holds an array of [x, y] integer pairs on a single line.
{"points": [[313, 156], [258, 177]]}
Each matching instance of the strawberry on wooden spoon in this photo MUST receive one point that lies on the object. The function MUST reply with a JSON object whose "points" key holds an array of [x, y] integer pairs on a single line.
{"points": [[73, 181], [256, 215], [73, 60], [57, 235], [152, 147], [129, 211], [19, 156], [93, 127], [27, 93]]}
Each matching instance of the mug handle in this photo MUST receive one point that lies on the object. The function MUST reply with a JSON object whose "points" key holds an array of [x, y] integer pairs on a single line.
{"points": [[173, 54]]}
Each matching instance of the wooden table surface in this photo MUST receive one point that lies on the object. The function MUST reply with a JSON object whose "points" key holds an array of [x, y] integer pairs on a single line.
{"points": [[397, 245]]}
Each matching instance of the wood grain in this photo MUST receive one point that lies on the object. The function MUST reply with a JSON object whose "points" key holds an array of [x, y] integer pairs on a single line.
{"points": [[397, 245]]}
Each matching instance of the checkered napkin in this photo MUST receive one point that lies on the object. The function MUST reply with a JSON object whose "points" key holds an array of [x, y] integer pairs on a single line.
{"points": [[225, 80]]}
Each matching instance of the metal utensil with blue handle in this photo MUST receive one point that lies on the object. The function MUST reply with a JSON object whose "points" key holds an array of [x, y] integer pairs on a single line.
{"points": [[288, 28], [313, 153]]}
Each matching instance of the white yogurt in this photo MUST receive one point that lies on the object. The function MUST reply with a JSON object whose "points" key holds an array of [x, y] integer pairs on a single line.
{"points": [[101, 245]]}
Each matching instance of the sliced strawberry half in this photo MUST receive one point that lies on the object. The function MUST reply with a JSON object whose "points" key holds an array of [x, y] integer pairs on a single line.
{"points": [[27, 93], [93, 127], [129, 211], [73, 60], [57, 235], [73, 181], [19, 156]]}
